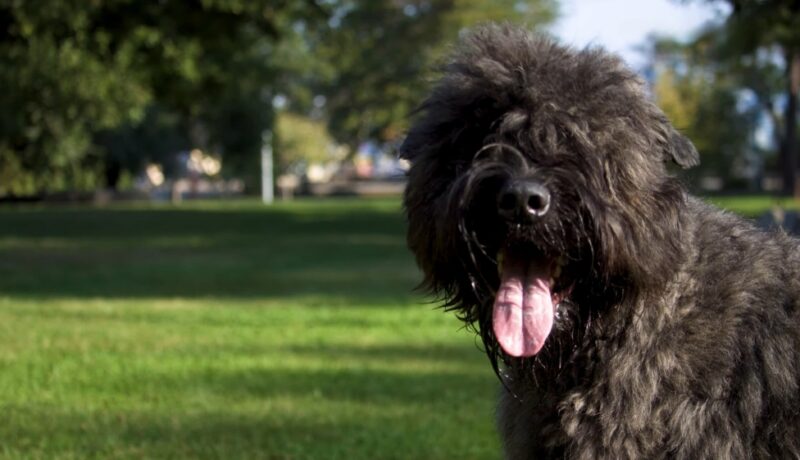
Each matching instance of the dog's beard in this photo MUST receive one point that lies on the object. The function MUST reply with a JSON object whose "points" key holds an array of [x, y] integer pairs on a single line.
{"points": [[521, 275]]}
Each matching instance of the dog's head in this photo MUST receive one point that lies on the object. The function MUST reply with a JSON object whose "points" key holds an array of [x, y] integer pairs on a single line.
{"points": [[538, 177]]}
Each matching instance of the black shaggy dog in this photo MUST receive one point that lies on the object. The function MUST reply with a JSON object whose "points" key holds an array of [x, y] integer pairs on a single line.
{"points": [[625, 318]]}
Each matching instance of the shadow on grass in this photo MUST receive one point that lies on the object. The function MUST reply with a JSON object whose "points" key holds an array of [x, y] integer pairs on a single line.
{"points": [[433, 389], [435, 377], [353, 251], [389, 353]]}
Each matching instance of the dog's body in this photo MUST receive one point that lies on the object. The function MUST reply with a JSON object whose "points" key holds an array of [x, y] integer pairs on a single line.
{"points": [[704, 368], [631, 320]]}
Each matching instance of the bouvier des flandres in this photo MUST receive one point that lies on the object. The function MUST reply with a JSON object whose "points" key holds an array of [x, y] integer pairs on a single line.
{"points": [[625, 318]]}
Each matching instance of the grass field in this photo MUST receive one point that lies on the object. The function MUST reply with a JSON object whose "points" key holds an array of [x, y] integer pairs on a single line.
{"points": [[229, 330]]}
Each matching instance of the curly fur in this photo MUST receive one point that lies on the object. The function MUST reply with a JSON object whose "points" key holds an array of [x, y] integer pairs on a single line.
{"points": [[679, 337]]}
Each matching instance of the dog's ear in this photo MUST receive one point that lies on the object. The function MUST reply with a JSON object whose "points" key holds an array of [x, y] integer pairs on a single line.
{"points": [[681, 150], [420, 136], [426, 135], [407, 148]]}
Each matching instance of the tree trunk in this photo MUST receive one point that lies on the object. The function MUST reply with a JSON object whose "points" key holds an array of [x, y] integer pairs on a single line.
{"points": [[789, 151], [113, 171]]}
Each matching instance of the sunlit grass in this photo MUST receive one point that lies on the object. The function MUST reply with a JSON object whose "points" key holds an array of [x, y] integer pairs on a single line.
{"points": [[753, 205], [231, 378]]}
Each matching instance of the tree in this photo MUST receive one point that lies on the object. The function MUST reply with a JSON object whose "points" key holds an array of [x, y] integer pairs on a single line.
{"points": [[703, 103], [300, 140], [153, 139], [56, 88], [754, 33], [73, 70], [87, 84], [376, 57]]}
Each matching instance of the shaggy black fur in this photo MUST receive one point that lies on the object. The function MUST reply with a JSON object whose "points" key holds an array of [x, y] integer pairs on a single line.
{"points": [[676, 334]]}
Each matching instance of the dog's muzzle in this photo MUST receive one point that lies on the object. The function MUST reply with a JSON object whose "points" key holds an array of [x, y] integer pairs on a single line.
{"points": [[523, 200]]}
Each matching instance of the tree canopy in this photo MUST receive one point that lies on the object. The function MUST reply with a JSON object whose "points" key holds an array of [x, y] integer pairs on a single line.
{"points": [[78, 76], [759, 46], [380, 53], [93, 89], [705, 104]]}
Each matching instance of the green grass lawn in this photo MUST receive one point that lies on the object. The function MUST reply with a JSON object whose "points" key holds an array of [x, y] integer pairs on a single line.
{"points": [[231, 330], [753, 206]]}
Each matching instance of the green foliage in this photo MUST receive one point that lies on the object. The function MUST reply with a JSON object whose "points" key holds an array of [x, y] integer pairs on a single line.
{"points": [[300, 140], [235, 128], [73, 69], [702, 105], [89, 85], [759, 46], [679, 97], [705, 107], [128, 147], [56, 91], [379, 56], [757, 23]]}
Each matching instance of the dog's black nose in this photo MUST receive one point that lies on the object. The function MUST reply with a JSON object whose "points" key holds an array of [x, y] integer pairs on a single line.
{"points": [[523, 199]]}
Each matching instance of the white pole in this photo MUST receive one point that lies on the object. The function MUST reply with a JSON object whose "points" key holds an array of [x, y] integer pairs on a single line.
{"points": [[267, 186]]}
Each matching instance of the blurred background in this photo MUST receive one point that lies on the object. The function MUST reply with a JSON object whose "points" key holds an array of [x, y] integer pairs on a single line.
{"points": [[202, 248], [109, 100]]}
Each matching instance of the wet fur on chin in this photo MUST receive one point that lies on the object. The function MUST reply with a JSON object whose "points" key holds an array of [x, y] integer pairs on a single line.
{"points": [[679, 335]]}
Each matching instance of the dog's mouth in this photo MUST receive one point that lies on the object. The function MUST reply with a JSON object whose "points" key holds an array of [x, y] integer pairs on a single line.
{"points": [[525, 305]]}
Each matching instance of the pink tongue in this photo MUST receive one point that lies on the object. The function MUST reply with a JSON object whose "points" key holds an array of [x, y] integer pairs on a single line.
{"points": [[523, 309]]}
